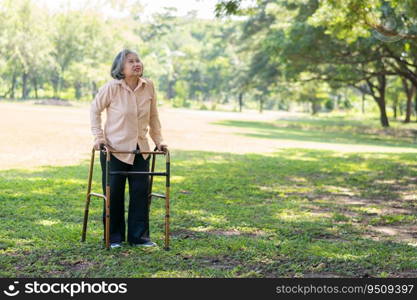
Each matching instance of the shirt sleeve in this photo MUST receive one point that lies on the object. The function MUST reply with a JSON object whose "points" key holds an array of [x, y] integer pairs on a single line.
{"points": [[154, 122], [100, 102]]}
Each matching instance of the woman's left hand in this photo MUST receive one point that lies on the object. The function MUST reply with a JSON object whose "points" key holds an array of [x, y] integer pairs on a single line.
{"points": [[162, 147]]}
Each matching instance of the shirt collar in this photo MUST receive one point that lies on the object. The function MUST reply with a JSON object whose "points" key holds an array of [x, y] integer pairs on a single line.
{"points": [[123, 82]]}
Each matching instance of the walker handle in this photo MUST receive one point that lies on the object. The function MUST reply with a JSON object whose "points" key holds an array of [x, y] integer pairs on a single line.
{"points": [[156, 149]]}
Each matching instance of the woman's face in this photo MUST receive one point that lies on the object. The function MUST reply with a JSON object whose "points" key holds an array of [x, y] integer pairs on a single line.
{"points": [[133, 66]]}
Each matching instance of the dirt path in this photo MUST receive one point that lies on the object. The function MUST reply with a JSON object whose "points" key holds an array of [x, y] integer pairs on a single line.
{"points": [[34, 135]]}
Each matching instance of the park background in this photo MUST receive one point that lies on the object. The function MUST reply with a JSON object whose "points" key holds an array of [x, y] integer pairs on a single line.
{"points": [[291, 126]]}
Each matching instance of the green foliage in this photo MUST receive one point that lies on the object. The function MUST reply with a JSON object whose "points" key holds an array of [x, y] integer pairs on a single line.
{"points": [[280, 54], [181, 89], [180, 102], [329, 104], [70, 52]]}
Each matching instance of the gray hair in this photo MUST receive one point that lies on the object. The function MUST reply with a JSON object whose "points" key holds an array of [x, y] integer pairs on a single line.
{"points": [[117, 66]]}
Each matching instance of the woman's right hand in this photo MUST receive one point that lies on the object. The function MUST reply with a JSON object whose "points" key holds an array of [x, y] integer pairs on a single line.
{"points": [[98, 144]]}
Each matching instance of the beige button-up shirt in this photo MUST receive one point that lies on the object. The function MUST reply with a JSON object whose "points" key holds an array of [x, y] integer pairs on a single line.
{"points": [[129, 113]]}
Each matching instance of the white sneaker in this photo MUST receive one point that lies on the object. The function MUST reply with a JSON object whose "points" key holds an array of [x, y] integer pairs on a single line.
{"points": [[115, 245], [146, 244]]}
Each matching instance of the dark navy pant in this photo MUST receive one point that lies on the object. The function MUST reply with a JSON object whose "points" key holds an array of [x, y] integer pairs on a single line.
{"points": [[138, 213]]}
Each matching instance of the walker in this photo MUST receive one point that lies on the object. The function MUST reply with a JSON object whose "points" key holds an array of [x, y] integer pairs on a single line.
{"points": [[106, 197]]}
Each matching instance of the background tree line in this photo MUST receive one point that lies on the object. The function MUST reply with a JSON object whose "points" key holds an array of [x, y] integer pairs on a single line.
{"points": [[311, 54], [67, 55], [323, 46]]}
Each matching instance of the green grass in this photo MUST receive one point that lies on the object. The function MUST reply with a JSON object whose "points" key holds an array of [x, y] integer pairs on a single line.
{"points": [[292, 213], [330, 130]]}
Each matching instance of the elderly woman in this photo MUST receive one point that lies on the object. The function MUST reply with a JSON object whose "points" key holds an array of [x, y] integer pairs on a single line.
{"points": [[131, 106]]}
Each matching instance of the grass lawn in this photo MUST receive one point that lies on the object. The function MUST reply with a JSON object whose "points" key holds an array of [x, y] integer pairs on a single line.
{"points": [[288, 213]]}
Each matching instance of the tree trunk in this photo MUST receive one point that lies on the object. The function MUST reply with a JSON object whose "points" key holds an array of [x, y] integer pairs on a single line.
{"points": [[408, 110], [225, 99], [55, 82], [415, 103], [240, 101], [35, 86], [24, 85], [409, 91], [315, 107], [383, 112], [13, 85], [93, 89], [380, 97], [77, 87], [170, 92], [395, 107], [58, 87], [382, 83]]}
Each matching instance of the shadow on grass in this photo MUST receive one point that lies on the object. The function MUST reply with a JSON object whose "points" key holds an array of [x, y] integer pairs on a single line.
{"points": [[325, 131], [296, 213]]}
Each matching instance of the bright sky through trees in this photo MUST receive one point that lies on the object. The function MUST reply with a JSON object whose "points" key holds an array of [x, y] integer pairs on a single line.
{"points": [[204, 8]]}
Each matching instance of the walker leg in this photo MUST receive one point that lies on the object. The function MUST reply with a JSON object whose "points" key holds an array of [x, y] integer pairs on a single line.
{"points": [[87, 201], [150, 188], [151, 181], [167, 185], [107, 227]]}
